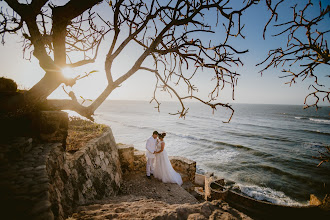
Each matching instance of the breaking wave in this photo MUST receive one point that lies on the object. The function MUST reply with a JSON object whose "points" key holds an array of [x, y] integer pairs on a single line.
{"points": [[316, 120], [268, 194], [322, 121]]}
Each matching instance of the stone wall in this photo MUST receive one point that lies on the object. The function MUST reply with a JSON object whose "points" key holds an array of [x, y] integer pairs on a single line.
{"points": [[90, 174], [126, 155], [24, 180], [133, 160], [140, 160], [94, 173], [41, 181]]}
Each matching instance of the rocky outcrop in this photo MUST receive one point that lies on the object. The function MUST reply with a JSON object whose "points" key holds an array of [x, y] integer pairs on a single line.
{"points": [[314, 200], [143, 198], [133, 208], [184, 166]]}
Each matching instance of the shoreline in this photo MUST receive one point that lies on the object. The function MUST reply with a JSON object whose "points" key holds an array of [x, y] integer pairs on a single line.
{"points": [[132, 157]]}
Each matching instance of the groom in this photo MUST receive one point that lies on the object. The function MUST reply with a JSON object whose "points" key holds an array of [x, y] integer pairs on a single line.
{"points": [[150, 153]]}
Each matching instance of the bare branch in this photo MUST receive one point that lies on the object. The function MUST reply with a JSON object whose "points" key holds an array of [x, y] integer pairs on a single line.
{"points": [[305, 53], [323, 156], [184, 110]]}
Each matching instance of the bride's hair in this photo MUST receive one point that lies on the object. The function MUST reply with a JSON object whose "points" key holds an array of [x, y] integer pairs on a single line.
{"points": [[162, 135]]}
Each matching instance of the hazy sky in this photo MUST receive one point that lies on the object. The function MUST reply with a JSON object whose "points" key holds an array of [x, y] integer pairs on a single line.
{"points": [[252, 88]]}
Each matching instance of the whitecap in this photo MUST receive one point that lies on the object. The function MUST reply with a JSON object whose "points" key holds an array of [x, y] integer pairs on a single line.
{"points": [[268, 194], [323, 121]]}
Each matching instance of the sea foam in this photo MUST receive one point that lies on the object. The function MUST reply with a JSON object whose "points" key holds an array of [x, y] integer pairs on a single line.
{"points": [[268, 194]]}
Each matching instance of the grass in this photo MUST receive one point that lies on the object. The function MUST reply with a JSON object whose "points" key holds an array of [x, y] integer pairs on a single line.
{"points": [[81, 131]]}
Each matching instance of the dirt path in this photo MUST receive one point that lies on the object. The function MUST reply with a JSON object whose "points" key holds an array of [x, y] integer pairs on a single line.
{"points": [[171, 193]]}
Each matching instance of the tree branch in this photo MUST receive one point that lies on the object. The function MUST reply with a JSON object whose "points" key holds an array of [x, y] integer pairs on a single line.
{"points": [[306, 53], [184, 111]]}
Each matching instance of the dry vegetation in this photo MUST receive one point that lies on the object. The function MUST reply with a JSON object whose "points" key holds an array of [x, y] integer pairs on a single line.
{"points": [[81, 131]]}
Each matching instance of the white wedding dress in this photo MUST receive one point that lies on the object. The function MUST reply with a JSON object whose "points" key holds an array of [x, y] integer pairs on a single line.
{"points": [[163, 168]]}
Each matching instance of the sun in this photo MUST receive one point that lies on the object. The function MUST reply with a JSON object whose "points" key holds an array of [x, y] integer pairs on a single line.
{"points": [[68, 72]]}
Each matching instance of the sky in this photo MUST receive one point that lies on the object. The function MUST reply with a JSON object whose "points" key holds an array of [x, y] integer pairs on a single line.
{"points": [[251, 88]]}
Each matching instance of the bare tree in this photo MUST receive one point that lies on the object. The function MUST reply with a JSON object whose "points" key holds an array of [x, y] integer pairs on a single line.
{"points": [[306, 47], [166, 31], [47, 30]]}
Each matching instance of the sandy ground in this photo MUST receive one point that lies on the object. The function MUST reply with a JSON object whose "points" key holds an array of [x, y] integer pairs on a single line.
{"points": [[143, 198]]}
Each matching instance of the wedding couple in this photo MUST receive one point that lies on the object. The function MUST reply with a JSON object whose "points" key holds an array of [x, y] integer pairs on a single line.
{"points": [[158, 163]]}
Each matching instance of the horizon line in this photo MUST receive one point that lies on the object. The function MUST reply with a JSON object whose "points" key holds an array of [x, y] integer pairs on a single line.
{"points": [[140, 100]]}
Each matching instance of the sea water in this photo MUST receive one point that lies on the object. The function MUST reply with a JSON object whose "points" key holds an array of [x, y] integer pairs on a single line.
{"points": [[266, 149]]}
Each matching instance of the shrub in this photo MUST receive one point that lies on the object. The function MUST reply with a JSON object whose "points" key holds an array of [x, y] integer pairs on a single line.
{"points": [[7, 85]]}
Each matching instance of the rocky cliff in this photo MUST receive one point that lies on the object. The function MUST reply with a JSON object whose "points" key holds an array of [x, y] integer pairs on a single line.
{"points": [[40, 180]]}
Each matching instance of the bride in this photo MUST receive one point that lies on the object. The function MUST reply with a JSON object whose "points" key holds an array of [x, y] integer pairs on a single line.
{"points": [[163, 167]]}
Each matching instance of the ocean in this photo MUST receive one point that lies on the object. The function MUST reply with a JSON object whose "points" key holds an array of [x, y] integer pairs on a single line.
{"points": [[266, 149]]}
